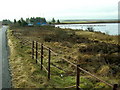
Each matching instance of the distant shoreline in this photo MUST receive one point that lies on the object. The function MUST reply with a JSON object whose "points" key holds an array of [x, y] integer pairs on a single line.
{"points": [[89, 22]]}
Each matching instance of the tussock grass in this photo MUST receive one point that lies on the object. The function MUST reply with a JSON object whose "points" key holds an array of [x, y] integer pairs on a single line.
{"points": [[94, 51]]}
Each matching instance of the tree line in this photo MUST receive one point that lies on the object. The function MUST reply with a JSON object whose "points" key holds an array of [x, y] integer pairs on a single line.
{"points": [[55, 21], [35, 21], [32, 21]]}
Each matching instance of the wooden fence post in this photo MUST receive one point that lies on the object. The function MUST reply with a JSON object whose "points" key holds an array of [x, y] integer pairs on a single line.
{"points": [[36, 51], [115, 86], [32, 49], [78, 77], [49, 57], [41, 56]]}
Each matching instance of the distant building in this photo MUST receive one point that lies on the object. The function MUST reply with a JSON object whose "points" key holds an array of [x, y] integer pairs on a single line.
{"points": [[38, 21]]}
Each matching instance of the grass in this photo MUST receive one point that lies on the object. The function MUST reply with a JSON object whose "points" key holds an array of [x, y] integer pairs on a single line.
{"points": [[94, 51], [25, 72]]}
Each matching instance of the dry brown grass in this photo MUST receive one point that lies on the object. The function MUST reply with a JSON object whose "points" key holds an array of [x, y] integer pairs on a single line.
{"points": [[77, 46]]}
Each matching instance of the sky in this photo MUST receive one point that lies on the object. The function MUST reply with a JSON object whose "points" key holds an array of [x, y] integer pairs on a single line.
{"points": [[59, 9]]}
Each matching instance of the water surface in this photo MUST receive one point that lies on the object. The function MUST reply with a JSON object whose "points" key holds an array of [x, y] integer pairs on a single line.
{"points": [[108, 28]]}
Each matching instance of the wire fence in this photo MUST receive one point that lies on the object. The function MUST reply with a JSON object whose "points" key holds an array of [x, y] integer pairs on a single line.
{"points": [[43, 56]]}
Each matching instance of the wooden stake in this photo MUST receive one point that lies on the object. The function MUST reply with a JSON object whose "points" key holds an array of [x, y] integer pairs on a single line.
{"points": [[78, 77], [49, 57], [41, 56], [36, 51], [32, 49]]}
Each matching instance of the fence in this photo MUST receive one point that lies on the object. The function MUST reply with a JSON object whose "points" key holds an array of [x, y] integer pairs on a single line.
{"points": [[36, 51]]}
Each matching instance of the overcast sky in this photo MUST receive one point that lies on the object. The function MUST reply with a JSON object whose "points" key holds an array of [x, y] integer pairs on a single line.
{"points": [[59, 9]]}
